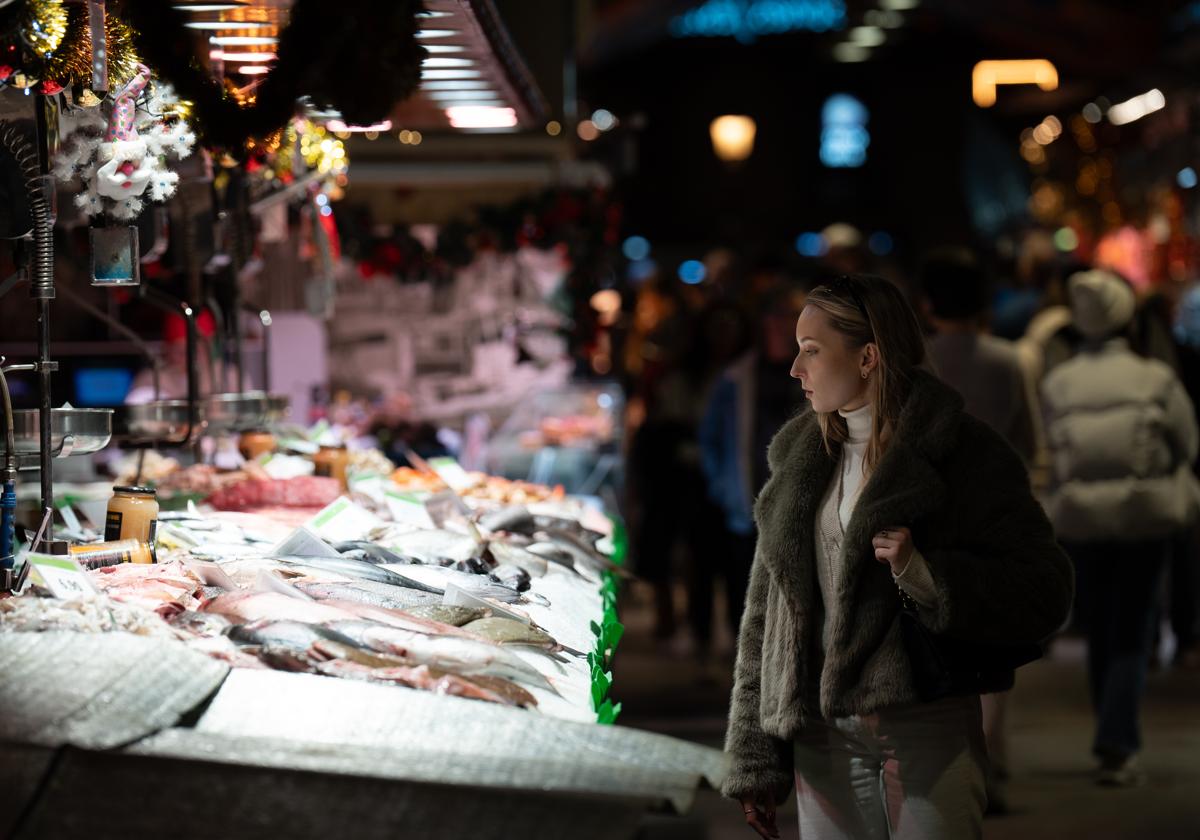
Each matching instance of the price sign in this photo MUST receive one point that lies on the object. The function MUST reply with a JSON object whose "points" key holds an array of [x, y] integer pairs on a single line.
{"points": [[452, 473], [62, 575]]}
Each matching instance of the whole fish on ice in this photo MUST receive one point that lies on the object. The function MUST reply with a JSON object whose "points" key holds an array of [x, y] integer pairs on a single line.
{"points": [[370, 593], [461, 656], [362, 571]]}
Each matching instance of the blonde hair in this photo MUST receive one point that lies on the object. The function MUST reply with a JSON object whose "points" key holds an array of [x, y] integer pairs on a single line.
{"points": [[871, 310]]}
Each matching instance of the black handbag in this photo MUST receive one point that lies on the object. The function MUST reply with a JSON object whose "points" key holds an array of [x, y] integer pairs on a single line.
{"points": [[943, 666]]}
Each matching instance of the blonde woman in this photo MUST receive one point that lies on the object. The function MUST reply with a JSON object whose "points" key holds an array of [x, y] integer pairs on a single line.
{"points": [[883, 485]]}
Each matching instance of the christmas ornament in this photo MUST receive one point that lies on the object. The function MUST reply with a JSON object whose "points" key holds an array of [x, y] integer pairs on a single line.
{"points": [[71, 62], [34, 30], [121, 160]]}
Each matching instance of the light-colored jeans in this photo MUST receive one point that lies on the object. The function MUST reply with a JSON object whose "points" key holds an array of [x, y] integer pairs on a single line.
{"points": [[910, 773]]}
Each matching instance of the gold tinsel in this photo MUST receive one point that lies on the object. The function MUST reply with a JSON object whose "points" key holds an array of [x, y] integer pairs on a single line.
{"points": [[71, 63], [43, 25]]}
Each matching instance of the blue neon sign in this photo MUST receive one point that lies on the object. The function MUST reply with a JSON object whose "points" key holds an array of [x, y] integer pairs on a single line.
{"points": [[746, 20]]}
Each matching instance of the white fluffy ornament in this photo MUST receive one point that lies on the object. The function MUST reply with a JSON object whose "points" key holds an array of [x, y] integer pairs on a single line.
{"points": [[123, 162]]}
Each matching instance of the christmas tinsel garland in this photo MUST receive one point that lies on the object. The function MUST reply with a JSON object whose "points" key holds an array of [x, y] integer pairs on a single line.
{"points": [[71, 63], [359, 57]]}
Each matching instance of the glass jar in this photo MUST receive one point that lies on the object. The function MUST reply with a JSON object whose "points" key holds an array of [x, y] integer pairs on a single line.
{"points": [[332, 461], [98, 555], [253, 444], [132, 515]]}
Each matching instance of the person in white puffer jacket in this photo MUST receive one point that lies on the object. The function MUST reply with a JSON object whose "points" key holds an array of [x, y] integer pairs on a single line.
{"points": [[1122, 436]]}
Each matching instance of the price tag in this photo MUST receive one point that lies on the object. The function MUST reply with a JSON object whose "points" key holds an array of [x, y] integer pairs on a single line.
{"points": [[70, 519], [449, 471], [343, 520], [455, 597], [445, 507], [408, 509], [61, 574], [304, 543], [211, 574]]}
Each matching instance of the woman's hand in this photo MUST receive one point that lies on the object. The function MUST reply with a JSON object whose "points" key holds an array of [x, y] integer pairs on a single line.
{"points": [[760, 815], [894, 546]]}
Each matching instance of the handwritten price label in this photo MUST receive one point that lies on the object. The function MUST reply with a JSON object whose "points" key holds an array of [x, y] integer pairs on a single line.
{"points": [[62, 575]]}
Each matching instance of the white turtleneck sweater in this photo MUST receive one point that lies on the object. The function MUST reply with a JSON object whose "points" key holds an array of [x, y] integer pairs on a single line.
{"points": [[915, 578]]}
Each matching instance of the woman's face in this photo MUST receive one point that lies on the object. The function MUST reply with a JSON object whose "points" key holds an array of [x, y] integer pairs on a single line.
{"points": [[828, 368]]}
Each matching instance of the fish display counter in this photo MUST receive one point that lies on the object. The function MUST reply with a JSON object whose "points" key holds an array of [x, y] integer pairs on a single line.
{"points": [[426, 633]]}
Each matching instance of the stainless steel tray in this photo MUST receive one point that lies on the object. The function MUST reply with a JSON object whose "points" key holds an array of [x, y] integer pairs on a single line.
{"points": [[244, 412], [73, 431], [162, 421]]}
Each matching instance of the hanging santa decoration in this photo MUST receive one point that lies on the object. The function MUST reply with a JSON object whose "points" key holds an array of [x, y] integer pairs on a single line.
{"points": [[122, 161]]}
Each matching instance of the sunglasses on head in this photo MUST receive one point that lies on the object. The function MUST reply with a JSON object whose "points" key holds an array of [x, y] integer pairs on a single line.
{"points": [[842, 284]]}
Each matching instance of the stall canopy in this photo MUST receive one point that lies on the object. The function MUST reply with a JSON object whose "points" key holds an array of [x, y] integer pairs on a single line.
{"points": [[472, 76]]}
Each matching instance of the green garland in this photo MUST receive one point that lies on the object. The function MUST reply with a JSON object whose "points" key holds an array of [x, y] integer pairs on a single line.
{"points": [[608, 634], [358, 57]]}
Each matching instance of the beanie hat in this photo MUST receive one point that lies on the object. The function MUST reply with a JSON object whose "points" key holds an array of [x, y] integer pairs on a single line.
{"points": [[1102, 304]]}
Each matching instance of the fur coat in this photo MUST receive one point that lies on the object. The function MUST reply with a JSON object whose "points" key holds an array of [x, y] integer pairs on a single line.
{"points": [[999, 573]]}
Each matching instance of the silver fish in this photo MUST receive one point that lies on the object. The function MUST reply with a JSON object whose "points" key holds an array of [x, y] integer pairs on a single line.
{"points": [[372, 552], [369, 592], [457, 655], [478, 585], [507, 554], [514, 519], [363, 571], [433, 546], [505, 631], [581, 552], [284, 634], [446, 614], [557, 554]]}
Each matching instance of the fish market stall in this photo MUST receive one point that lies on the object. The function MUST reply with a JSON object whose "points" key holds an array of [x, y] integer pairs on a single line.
{"points": [[444, 649]]}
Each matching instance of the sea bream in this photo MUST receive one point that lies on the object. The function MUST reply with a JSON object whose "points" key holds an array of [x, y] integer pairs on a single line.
{"points": [[458, 655], [505, 631]]}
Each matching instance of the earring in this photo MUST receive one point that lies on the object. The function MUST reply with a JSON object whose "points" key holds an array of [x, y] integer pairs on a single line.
{"points": [[865, 374]]}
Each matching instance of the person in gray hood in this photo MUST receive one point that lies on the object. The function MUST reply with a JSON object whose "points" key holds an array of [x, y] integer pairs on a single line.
{"points": [[1122, 436]]}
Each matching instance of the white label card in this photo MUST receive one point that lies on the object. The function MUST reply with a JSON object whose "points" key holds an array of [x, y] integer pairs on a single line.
{"points": [[449, 471], [61, 574]]}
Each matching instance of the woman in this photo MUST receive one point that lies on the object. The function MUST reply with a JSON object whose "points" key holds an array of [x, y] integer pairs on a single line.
{"points": [[1123, 436], [884, 483]]}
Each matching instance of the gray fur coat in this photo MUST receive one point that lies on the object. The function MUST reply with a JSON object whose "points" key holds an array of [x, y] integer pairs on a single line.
{"points": [[962, 490]]}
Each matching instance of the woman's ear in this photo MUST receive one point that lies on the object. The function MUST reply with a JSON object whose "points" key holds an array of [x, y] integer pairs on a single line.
{"points": [[870, 359]]}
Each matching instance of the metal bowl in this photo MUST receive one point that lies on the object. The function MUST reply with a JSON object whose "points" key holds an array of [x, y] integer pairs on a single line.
{"points": [[163, 421], [247, 412], [278, 406], [73, 431]]}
